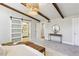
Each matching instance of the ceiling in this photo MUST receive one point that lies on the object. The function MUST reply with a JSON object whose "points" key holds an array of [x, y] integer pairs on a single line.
{"points": [[49, 10], [69, 9]]}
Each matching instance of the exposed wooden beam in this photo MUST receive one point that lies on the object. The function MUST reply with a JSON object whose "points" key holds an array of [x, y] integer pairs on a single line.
{"points": [[58, 9], [23, 4], [18, 11], [41, 14]]}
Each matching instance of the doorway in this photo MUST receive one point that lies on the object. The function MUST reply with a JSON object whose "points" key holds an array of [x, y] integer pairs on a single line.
{"points": [[75, 31], [26, 30]]}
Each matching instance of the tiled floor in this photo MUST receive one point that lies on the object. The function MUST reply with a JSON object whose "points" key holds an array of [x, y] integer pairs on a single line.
{"points": [[57, 49]]}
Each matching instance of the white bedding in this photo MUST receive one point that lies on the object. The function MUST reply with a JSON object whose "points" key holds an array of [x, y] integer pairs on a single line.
{"points": [[21, 50]]}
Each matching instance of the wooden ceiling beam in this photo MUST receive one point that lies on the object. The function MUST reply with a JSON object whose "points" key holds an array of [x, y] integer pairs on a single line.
{"points": [[41, 14], [19, 11], [58, 9]]}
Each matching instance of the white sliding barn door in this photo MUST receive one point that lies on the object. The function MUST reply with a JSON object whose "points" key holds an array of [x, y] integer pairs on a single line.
{"points": [[75, 31], [16, 29]]}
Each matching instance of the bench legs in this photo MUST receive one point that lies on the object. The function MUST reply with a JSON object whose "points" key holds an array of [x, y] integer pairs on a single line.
{"points": [[44, 53]]}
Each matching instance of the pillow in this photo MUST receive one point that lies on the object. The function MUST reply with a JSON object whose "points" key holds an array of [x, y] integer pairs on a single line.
{"points": [[2, 51]]}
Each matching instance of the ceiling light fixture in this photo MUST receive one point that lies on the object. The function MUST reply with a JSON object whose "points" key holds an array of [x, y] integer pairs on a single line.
{"points": [[34, 7]]}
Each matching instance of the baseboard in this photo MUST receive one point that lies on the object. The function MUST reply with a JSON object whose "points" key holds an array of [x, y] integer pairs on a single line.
{"points": [[68, 43]]}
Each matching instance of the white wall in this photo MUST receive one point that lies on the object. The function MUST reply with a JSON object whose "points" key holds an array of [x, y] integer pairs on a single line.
{"points": [[48, 26], [33, 30], [5, 14], [65, 26]]}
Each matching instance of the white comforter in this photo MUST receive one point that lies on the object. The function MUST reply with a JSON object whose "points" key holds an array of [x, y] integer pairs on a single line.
{"points": [[21, 50]]}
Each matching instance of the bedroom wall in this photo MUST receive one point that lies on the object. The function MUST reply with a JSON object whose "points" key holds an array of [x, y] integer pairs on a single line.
{"points": [[66, 29], [5, 14]]}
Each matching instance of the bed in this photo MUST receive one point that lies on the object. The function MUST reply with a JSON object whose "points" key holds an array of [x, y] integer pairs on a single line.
{"points": [[19, 50]]}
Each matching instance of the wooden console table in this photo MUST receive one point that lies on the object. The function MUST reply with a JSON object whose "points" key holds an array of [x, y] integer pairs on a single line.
{"points": [[58, 35]]}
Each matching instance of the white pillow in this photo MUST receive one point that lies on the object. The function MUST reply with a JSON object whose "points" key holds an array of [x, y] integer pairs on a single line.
{"points": [[2, 51]]}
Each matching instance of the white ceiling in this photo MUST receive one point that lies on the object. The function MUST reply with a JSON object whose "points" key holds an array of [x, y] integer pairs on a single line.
{"points": [[67, 9], [49, 10]]}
